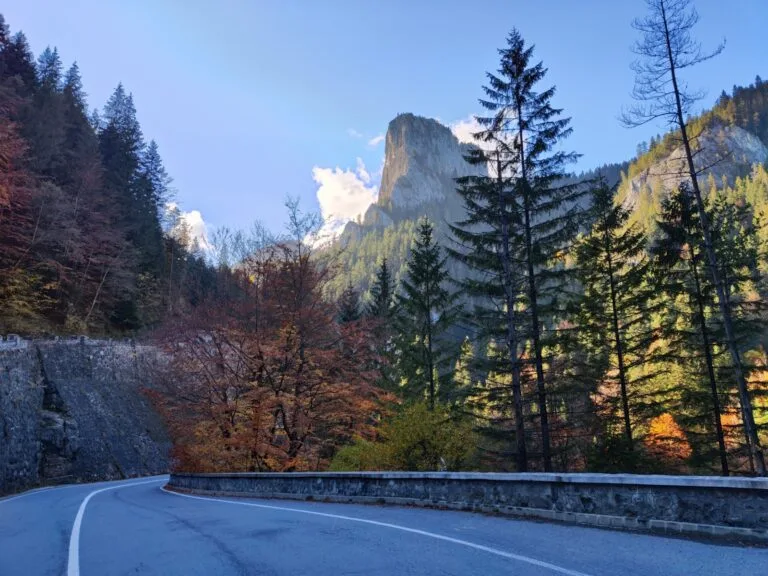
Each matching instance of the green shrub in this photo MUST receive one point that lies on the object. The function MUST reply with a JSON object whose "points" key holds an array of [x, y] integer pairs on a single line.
{"points": [[414, 439]]}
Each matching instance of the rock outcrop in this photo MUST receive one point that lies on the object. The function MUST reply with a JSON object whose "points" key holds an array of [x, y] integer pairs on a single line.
{"points": [[74, 410], [422, 159], [725, 152]]}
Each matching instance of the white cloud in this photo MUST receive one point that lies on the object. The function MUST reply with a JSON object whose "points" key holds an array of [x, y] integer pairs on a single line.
{"points": [[188, 227], [362, 172], [198, 229], [464, 129], [343, 195], [354, 133], [376, 140]]}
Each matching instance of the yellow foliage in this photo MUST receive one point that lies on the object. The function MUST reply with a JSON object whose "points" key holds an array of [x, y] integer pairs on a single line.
{"points": [[666, 440]]}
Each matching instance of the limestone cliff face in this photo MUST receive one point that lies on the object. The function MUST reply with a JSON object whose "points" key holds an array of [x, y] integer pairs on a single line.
{"points": [[421, 162], [73, 410], [724, 152]]}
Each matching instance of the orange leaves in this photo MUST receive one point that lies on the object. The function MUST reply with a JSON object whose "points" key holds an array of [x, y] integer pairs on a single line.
{"points": [[265, 379], [666, 441]]}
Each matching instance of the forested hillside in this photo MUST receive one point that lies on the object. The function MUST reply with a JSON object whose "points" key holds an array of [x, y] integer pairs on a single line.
{"points": [[83, 195], [731, 138]]}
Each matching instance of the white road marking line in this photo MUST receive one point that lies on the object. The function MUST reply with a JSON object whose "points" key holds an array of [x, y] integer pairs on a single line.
{"points": [[44, 489], [73, 563], [488, 549]]}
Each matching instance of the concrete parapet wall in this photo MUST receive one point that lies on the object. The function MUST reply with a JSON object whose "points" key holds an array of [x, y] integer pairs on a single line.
{"points": [[696, 505]]}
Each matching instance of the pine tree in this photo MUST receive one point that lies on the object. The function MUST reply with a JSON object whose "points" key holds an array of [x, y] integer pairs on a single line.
{"points": [[667, 48], [19, 62], [486, 242], [526, 130], [5, 40], [121, 144], [49, 70], [44, 120], [427, 310], [349, 305], [615, 306], [381, 297], [73, 88], [677, 250]]}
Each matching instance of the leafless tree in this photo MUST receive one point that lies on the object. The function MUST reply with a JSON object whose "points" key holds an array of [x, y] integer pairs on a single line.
{"points": [[667, 48]]}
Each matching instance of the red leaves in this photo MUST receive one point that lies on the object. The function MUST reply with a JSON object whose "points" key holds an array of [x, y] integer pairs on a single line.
{"points": [[265, 379]]}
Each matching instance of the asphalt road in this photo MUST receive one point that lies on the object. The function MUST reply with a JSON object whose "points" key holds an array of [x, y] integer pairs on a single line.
{"points": [[134, 527]]}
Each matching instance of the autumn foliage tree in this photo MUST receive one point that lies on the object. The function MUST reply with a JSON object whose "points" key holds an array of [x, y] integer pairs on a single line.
{"points": [[268, 379]]}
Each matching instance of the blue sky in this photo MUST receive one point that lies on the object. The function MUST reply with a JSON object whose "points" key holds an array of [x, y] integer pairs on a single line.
{"points": [[253, 100]]}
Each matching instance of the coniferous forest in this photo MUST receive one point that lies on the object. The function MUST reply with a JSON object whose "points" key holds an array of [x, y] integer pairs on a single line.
{"points": [[589, 332]]}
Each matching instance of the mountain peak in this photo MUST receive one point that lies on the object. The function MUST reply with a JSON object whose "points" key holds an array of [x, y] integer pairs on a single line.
{"points": [[422, 159]]}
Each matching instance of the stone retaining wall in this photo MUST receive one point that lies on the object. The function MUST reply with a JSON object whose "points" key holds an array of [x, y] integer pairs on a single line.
{"points": [[711, 506]]}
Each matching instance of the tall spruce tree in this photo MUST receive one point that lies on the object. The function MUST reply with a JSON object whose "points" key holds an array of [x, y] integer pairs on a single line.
{"points": [[19, 62], [380, 308], [666, 49], [677, 249], [381, 297], [614, 308], [526, 131], [121, 144], [44, 121], [427, 310], [486, 242]]}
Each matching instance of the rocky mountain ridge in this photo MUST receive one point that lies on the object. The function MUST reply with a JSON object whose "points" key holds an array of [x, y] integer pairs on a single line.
{"points": [[724, 152]]}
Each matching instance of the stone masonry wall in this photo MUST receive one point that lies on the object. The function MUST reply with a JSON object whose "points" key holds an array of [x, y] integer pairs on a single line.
{"points": [[736, 507], [73, 410]]}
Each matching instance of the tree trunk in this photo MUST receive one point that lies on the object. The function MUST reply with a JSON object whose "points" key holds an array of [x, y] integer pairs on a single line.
{"points": [[532, 295], [521, 455], [724, 304], [710, 365], [619, 342]]}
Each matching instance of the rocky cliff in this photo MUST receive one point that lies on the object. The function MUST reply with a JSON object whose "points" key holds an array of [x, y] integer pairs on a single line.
{"points": [[73, 410], [724, 152], [421, 163], [422, 159]]}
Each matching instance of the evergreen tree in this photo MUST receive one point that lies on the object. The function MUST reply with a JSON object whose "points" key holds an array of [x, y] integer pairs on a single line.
{"points": [[73, 88], [486, 243], [677, 250], [152, 194], [615, 307], [349, 305], [526, 130], [381, 309], [464, 375], [44, 119], [19, 62], [121, 144], [427, 310], [49, 70], [5, 35], [381, 297]]}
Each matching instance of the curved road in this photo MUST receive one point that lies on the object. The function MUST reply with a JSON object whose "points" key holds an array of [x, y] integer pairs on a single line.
{"points": [[135, 527]]}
